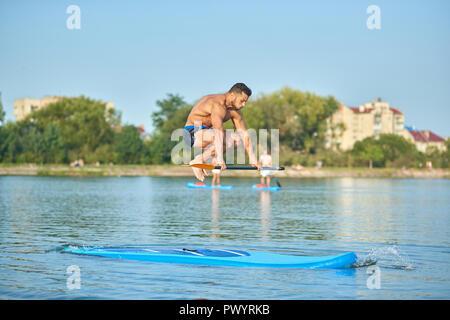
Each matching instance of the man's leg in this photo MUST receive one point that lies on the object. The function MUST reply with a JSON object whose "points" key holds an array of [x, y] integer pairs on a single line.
{"points": [[204, 139], [202, 158]]}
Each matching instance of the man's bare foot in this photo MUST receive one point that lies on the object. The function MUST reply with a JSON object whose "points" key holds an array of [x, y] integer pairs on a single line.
{"points": [[199, 173]]}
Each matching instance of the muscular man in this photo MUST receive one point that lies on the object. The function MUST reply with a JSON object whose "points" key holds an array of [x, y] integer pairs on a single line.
{"points": [[204, 127]]}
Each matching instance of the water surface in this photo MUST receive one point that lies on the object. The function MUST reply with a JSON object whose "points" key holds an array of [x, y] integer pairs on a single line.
{"points": [[399, 226]]}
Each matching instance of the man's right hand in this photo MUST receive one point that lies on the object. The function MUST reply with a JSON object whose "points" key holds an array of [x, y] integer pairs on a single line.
{"points": [[257, 165], [222, 164], [253, 162]]}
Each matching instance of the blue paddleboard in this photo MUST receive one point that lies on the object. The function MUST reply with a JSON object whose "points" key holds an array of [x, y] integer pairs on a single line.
{"points": [[257, 187], [195, 186], [218, 257]]}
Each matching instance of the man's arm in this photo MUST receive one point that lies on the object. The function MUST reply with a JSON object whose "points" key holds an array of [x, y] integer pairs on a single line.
{"points": [[239, 124], [217, 116]]}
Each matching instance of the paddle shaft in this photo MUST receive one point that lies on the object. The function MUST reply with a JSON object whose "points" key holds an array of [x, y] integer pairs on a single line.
{"points": [[207, 166], [251, 168]]}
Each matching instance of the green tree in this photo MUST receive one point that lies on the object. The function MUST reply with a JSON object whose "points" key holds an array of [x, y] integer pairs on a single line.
{"points": [[397, 151], [30, 139], [3, 131], [4, 143], [372, 153], [128, 145], [68, 129], [160, 149], [388, 150], [16, 145], [300, 117], [23, 142], [85, 124], [2, 112], [52, 146], [369, 150], [172, 114], [167, 108], [446, 154]]}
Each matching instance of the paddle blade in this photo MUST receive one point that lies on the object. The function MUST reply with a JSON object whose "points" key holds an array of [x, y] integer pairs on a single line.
{"points": [[277, 182], [205, 166]]}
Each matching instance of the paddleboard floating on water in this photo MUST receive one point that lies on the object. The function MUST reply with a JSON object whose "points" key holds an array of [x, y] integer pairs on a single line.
{"points": [[199, 185], [218, 257], [265, 187]]}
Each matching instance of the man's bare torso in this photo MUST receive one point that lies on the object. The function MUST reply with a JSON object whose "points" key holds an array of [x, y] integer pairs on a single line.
{"points": [[202, 110]]}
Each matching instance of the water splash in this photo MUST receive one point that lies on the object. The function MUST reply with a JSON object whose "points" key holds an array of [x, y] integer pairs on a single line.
{"points": [[388, 257], [71, 246]]}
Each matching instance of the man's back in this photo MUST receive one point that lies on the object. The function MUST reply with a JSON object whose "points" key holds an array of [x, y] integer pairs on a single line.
{"points": [[201, 112]]}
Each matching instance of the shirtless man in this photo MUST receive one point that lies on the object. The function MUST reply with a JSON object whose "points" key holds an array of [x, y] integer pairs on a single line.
{"points": [[265, 160], [210, 112]]}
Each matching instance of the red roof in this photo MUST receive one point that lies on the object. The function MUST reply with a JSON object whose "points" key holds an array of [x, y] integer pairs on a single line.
{"points": [[357, 110], [396, 111], [425, 136], [367, 110]]}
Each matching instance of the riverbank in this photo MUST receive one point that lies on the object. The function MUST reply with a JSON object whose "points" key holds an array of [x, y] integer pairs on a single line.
{"points": [[179, 171]]}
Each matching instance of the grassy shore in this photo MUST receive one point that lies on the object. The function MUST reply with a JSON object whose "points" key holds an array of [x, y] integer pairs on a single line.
{"points": [[179, 171]]}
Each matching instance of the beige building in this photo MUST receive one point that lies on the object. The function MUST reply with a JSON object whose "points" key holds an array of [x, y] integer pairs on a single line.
{"points": [[425, 140], [24, 106], [351, 124]]}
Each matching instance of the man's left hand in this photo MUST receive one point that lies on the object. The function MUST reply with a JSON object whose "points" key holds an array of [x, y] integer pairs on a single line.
{"points": [[257, 165]]}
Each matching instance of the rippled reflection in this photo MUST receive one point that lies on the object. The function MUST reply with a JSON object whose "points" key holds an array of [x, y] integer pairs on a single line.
{"points": [[370, 210], [265, 210], [215, 213]]}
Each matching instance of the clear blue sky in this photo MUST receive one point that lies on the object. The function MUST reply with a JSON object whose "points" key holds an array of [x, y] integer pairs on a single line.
{"points": [[135, 52]]}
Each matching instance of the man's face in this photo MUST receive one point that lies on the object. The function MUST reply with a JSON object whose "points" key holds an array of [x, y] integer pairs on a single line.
{"points": [[240, 100]]}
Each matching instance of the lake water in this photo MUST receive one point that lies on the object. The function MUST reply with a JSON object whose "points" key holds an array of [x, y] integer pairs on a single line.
{"points": [[399, 229]]}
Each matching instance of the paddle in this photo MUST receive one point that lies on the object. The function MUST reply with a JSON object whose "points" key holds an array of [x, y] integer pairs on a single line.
{"points": [[277, 182], [211, 167]]}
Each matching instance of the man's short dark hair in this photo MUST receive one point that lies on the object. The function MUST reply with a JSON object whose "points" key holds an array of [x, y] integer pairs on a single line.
{"points": [[239, 88]]}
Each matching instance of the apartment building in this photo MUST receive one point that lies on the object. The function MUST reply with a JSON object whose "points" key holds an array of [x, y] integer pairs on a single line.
{"points": [[351, 124], [424, 140], [24, 106]]}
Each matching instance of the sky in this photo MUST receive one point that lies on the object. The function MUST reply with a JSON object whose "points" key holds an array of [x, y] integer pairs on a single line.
{"points": [[136, 52]]}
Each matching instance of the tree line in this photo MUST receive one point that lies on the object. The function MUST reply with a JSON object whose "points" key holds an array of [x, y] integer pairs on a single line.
{"points": [[83, 128]]}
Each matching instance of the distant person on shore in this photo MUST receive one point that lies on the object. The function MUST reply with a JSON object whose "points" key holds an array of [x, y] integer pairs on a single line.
{"points": [[77, 163], [265, 160]]}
